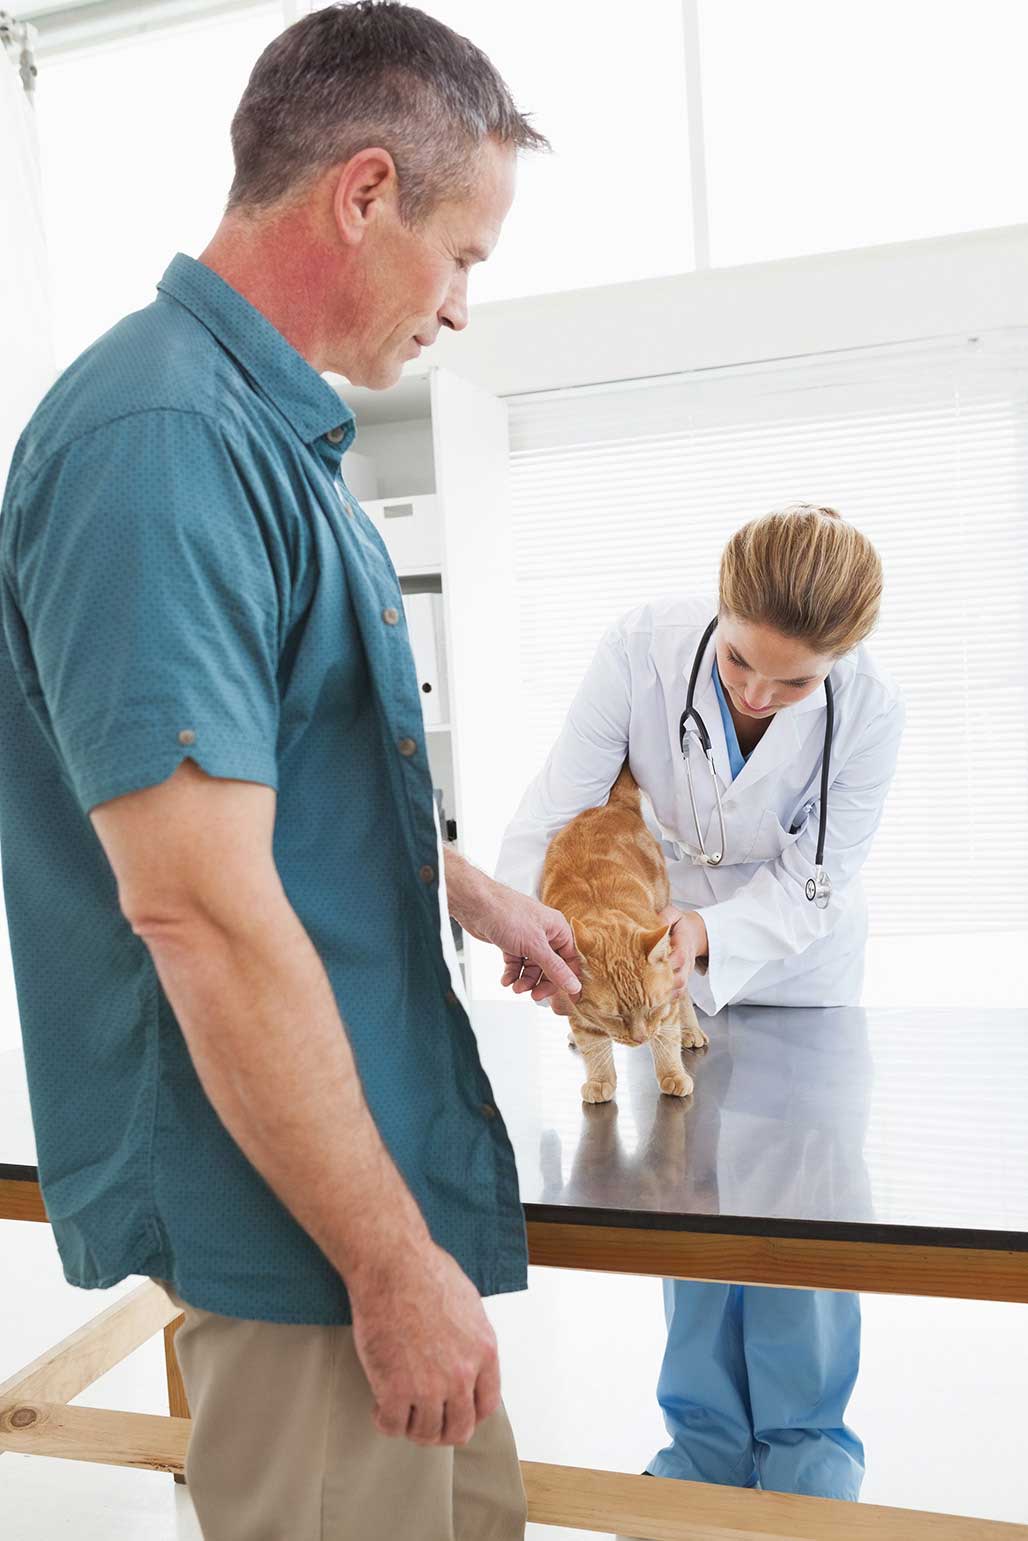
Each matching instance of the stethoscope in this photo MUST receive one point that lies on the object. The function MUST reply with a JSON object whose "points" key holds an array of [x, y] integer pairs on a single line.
{"points": [[818, 888]]}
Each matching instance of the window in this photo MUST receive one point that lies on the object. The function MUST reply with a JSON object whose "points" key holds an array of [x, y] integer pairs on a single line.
{"points": [[137, 161], [833, 126], [607, 88]]}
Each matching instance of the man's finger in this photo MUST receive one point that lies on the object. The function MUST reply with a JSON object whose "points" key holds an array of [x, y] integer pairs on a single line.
{"points": [[487, 1390], [511, 972], [426, 1422], [391, 1418], [459, 1420], [530, 977], [559, 971]]}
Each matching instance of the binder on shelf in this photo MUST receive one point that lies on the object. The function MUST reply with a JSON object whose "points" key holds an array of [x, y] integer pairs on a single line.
{"points": [[424, 625]]}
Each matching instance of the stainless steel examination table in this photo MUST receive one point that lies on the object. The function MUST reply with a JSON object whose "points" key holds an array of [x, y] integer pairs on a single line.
{"points": [[838, 1149]]}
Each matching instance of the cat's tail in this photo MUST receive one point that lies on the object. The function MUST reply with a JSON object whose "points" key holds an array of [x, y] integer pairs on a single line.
{"points": [[625, 789]]}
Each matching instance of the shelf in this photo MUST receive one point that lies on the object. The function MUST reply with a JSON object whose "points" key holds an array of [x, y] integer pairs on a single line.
{"points": [[410, 397]]}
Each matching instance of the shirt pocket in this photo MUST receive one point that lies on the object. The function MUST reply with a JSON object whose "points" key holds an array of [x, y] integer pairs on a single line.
{"points": [[772, 839]]}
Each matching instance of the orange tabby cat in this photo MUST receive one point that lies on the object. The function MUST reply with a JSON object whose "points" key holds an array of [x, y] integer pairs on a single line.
{"points": [[606, 873]]}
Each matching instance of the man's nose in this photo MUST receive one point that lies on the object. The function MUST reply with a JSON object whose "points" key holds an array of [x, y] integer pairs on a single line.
{"points": [[454, 312]]}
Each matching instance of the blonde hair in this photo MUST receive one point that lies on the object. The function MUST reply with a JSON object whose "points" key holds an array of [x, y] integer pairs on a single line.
{"points": [[805, 572]]}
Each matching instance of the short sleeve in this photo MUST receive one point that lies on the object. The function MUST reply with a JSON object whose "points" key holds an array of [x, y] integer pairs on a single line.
{"points": [[142, 576]]}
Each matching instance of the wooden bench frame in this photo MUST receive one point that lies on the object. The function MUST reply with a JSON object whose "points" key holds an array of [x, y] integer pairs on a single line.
{"points": [[35, 1418]]}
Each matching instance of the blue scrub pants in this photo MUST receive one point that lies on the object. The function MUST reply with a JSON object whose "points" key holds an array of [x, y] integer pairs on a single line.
{"points": [[754, 1386]]}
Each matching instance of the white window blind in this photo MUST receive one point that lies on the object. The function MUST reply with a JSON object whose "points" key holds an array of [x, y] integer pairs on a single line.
{"points": [[622, 493]]}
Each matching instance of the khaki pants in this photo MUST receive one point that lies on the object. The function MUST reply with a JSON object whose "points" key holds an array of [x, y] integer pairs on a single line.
{"points": [[283, 1447]]}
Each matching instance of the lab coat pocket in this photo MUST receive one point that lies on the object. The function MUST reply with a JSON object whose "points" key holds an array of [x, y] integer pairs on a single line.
{"points": [[772, 838]]}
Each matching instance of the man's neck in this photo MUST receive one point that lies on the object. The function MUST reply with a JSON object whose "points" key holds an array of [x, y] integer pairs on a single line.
{"points": [[283, 271]]}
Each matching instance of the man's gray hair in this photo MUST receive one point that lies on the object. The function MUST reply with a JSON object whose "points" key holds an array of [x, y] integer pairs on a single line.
{"points": [[374, 73]]}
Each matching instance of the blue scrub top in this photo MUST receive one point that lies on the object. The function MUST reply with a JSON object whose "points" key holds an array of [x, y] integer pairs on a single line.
{"points": [[184, 574], [736, 758]]}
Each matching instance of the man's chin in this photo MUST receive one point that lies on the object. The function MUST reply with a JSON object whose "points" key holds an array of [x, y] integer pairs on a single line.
{"points": [[379, 376]]}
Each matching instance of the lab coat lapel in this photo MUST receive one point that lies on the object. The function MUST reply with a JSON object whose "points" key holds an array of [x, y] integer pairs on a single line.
{"points": [[779, 745]]}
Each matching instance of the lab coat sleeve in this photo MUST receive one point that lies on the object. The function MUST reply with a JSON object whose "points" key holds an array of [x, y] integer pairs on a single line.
{"points": [[770, 917], [581, 767]]}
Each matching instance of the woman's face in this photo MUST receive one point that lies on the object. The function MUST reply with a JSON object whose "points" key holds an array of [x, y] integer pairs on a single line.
{"points": [[761, 670]]}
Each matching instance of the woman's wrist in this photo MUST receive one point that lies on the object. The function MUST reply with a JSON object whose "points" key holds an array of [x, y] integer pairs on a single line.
{"points": [[697, 933]]}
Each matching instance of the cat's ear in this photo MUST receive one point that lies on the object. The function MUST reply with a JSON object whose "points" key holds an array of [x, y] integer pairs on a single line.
{"points": [[581, 936], [656, 944]]}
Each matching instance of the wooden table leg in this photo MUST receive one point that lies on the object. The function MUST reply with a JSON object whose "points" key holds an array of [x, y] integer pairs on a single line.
{"points": [[178, 1404]]}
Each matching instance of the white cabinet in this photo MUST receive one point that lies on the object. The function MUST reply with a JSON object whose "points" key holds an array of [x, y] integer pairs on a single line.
{"points": [[439, 447]]}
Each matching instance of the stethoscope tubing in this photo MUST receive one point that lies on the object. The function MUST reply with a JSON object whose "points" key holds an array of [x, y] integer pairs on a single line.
{"points": [[701, 728]]}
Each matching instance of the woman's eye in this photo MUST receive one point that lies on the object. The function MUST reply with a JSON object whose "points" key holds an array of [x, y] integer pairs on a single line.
{"points": [[737, 661]]}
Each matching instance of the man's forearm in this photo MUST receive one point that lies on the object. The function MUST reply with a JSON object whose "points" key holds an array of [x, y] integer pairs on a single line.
{"points": [[265, 1035], [470, 894]]}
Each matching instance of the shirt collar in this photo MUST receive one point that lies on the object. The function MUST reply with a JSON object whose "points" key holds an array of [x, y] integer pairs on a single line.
{"points": [[307, 401]]}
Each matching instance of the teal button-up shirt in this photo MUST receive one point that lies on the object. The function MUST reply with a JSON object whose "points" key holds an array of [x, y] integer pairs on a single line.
{"points": [[183, 573]]}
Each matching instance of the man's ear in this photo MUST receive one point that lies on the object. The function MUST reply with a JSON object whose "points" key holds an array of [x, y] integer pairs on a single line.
{"points": [[656, 944], [366, 179]]}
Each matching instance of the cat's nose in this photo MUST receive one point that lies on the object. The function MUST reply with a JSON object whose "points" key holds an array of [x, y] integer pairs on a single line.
{"points": [[638, 1034]]}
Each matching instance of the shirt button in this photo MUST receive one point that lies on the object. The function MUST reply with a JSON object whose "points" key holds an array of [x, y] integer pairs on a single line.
{"points": [[427, 874], [390, 616], [407, 747], [334, 435], [451, 997], [487, 1110], [187, 736]]}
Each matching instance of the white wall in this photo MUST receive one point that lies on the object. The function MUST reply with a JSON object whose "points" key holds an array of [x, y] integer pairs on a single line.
{"points": [[880, 294]]}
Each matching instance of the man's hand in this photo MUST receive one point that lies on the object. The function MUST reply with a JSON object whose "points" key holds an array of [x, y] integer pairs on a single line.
{"points": [[688, 944], [538, 947], [426, 1346]]}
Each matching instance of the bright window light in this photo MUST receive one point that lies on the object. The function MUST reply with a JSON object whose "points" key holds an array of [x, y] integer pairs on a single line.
{"points": [[137, 161], [834, 126], [607, 88]]}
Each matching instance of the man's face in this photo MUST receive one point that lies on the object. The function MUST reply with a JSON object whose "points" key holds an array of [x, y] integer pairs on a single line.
{"points": [[414, 279]]}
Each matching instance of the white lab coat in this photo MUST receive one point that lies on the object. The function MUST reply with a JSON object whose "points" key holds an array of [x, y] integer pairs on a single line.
{"points": [[769, 945]]}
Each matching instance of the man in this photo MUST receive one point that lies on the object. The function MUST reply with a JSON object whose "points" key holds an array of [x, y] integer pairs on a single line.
{"points": [[252, 1074]]}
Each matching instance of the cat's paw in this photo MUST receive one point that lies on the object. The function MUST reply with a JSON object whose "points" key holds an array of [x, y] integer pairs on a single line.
{"points": [[677, 1085], [693, 1036], [598, 1091]]}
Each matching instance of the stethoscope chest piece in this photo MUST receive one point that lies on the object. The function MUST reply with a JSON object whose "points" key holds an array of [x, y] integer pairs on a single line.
{"points": [[819, 888]]}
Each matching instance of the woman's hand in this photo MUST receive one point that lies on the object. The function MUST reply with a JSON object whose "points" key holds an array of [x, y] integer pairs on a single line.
{"points": [[688, 943]]}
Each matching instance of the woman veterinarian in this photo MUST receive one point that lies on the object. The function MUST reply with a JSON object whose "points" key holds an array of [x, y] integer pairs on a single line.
{"points": [[755, 1381]]}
